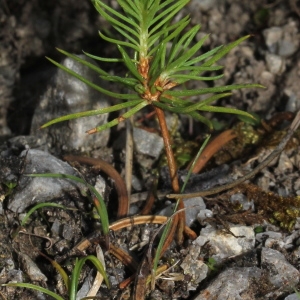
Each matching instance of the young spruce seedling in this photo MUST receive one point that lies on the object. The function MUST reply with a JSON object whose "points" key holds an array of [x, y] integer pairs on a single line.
{"points": [[159, 54]]}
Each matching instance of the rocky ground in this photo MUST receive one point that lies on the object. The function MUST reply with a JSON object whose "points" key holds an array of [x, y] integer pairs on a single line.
{"points": [[248, 237]]}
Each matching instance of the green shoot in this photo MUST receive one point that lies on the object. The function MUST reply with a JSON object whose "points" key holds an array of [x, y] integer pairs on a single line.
{"points": [[72, 284]]}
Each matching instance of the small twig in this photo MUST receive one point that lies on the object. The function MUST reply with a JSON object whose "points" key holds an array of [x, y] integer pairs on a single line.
{"points": [[124, 257], [295, 124], [131, 221], [39, 236], [129, 156], [179, 220]]}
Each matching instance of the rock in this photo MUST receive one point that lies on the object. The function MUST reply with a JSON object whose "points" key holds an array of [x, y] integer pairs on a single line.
{"points": [[31, 269], [67, 232], [146, 142], [203, 215], [224, 245], [194, 267], [68, 95], [193, 205], [242, 200], [56, 228], [275, 63], [281, 272], [283, 41], [233, 284], [272, 37], [262, 236], [292, 297], [32, 190]]}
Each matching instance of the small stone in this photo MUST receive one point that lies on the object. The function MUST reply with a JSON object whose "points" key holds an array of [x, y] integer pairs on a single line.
{"points": [[137, 183], [203, 215], [275, 63], [31, 269], [68, 95], [224, 244], [272, 36], [194, 267], [234, 283], [32, 190], [284, 166], [281, 272], [148, 143], [292, 297], [55, 228], [262, 236], [67, 232], [243, 201], [193, 207]]}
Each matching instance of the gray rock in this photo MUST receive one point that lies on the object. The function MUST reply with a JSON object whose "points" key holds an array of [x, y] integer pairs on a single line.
{"points": [[233, 284], [31, 269], [225, 245], [272, 37], [243, 201], [194, 267], [203, 215], [68, 95], [56, 228], [283, 41], [268, 234], [32, 190], [281, 272], [67, 232], [275, 63], [148, 143], [292, 297], [193, 207]]}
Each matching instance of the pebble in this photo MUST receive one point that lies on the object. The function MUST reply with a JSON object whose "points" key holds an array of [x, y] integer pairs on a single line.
{"points": [[283, 41], [194, 266], [275, 63], [193, 207], [243, 201], [224, 244], [32, 190], [68, 95], [148, 143], [283, 273], [292, 297], [203, 215], [263, 236], [31, 269], [231, 284]]}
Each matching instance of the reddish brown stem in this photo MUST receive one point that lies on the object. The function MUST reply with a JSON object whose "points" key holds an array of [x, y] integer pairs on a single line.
{"points": [[212, 148], [179, 220]]}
